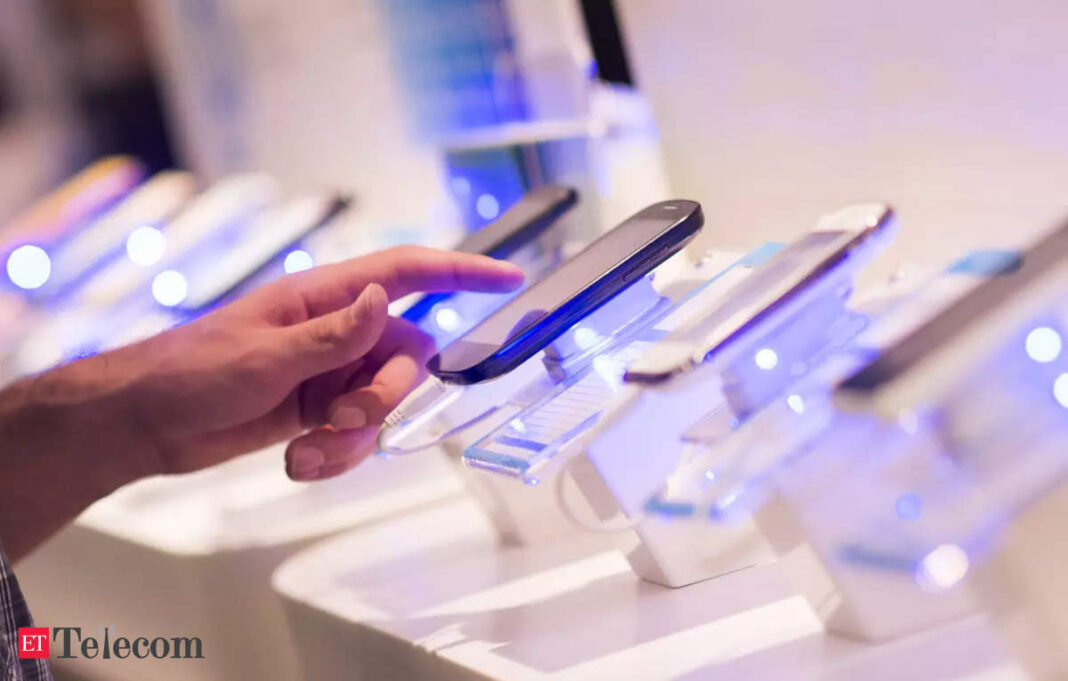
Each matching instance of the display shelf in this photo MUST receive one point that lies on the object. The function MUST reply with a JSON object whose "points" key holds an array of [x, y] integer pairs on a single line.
{"points": [[432, 595]]}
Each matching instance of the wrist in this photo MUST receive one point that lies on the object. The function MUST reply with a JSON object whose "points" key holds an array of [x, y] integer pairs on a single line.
{"points": [[80, 418], [65, 444]]}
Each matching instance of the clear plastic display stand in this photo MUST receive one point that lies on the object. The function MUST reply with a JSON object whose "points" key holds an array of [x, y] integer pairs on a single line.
{"points": [[1007, 426], [632, 436], [587, 364], [717, 398], [529, 516], [192, 556], [931, 501], [851, 499], [456, 420], [581, 362]]}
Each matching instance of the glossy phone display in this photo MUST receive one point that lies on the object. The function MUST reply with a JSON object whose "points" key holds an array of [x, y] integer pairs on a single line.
{"points": [[518, 226], [569, 293], [950, 338], [785, 277]]}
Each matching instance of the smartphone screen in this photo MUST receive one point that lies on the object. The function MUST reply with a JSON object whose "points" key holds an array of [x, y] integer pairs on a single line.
{"points": [[545, 310], [518, 226], [785, 276], [538, 209], [969, 311]]}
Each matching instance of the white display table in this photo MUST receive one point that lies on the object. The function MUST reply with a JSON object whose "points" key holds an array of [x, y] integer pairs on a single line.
{"points": [[193, 555], [431, 595]]}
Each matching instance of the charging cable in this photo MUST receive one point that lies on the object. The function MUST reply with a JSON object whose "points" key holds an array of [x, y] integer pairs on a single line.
{"points": [[576, 518], [418, 410]]}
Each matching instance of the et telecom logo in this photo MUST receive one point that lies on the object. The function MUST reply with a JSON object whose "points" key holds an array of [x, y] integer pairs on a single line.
{"points": [[34, 643]]}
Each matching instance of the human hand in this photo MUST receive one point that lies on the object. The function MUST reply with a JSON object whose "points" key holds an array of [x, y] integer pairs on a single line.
{"points": [[313, 358]]}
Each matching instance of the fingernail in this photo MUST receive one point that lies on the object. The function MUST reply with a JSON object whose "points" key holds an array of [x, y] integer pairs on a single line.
{"points": [[366, 301], [348, 418], [306, 462], [508, 265]]}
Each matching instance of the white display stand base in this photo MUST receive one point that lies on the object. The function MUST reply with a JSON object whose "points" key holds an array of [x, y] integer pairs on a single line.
{"points": [[193, 555], [433, 595]]}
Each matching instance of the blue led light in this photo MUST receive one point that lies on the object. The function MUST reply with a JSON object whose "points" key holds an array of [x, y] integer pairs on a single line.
{"points": [[29, 267], [1060, 390], [447, 319], [145, 246], [169, 288], [487, 206], [766, 358], [297, 261], [1043, 345], [908, 506]]}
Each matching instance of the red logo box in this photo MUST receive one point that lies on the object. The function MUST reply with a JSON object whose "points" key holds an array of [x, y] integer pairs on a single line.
{"points": [[33, 642]]}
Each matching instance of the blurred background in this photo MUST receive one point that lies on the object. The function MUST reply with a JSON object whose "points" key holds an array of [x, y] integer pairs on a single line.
{"points": [[369, 96], [427, 110]]}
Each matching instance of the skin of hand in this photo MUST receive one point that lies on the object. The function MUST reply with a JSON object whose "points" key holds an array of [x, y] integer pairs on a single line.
{"points": [[313, 358]]}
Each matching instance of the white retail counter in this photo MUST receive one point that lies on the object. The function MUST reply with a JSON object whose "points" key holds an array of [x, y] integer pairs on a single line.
{"points": [[431, 595]]}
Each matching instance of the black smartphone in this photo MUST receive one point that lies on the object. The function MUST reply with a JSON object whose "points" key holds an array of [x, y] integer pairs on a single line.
{"points": [[538, 315], [928, 358], [516, 227]]}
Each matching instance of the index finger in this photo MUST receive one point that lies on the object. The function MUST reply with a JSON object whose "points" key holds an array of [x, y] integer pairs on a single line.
{"points": [[403, 270]]}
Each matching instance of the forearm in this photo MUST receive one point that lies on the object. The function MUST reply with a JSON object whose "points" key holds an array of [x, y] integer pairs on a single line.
{"points": [[67, 438]]}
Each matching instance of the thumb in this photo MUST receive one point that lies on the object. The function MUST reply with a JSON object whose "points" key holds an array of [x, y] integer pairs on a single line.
{"points": [[340, 337]]}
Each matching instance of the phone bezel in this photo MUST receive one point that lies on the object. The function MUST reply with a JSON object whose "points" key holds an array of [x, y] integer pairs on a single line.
{"points": [[683, 227], [554, 202], [928, 360]]}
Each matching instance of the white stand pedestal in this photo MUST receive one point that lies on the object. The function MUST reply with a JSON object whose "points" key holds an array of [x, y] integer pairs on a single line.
{"points": [[192, 556], [433, 596]]}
